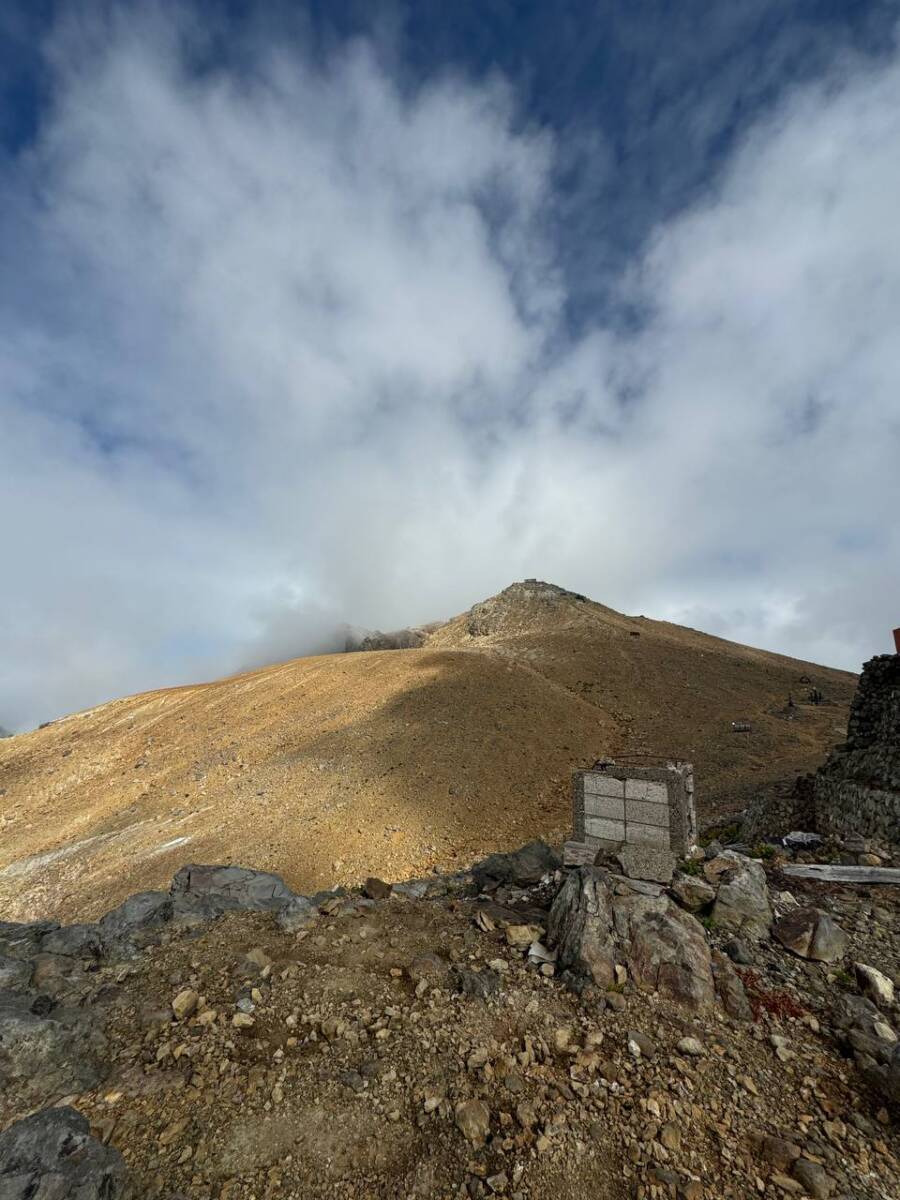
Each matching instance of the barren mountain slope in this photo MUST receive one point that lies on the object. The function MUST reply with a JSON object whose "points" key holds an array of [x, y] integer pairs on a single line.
{"points": [[672, 692], [389, 763]]}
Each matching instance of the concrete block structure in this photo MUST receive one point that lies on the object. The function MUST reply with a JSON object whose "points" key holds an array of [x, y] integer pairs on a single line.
{"points": [[614, 806]]}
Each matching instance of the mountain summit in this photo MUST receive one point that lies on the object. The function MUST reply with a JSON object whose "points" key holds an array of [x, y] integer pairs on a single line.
{"points": [[391, 762]]}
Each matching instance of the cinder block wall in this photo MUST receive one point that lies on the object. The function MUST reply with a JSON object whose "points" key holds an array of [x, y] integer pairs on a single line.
{"points": [[648, 805]]}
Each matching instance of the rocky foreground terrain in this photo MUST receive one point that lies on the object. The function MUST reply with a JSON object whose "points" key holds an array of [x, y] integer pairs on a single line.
{"points": [[519, 1030], [397, 762]]}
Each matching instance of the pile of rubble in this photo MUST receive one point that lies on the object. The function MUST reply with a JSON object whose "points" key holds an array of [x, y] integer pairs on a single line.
{"points": [[518, 1030]]}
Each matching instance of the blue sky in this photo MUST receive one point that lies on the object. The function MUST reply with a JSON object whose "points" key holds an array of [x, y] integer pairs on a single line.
{"points": [[358, 312]]}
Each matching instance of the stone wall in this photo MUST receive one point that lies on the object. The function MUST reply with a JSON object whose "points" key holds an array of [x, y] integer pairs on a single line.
{"points": [[614, 806], [780, 809], [858, 788]]}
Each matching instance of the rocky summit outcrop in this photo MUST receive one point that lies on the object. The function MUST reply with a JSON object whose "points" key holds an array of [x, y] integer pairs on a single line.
{"points": [[515, 1030]]}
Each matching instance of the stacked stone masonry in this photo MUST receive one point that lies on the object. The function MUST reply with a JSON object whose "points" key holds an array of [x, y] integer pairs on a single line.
{"points": [[858, 788], [639, 805]]}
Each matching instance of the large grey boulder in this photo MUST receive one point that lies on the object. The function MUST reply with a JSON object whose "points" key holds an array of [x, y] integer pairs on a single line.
{"points": [[51, 1155], [668, 953], [136, 919], [664, 948], [23, 940], [73, 941], [812, 934], [15, 974], [580, 926], [521, 868], [212, 890], [742, 899], [46, 1056]]}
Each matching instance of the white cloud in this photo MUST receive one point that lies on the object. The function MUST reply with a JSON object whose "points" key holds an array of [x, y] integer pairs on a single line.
{"points": [[293, 343]]}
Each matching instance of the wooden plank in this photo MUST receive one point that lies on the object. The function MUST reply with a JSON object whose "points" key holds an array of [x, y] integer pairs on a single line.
{"points": [[836, 873]]}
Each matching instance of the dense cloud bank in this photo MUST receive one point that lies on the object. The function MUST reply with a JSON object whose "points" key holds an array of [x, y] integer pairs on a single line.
{"points": [[286, 348]]}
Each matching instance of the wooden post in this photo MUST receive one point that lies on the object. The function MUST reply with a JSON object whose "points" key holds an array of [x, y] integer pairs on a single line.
{"points": [[897, 639]]}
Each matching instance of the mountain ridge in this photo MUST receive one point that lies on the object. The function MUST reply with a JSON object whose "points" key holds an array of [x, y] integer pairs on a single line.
{"points": [[392, 763]]}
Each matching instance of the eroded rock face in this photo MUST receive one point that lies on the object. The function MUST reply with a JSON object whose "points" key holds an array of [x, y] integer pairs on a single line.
{"points": [[138, 915], [664, 948], [48, 1055], [669, 954], [73, 941], [23, 940], [580, 926], [811, 934], [52, 1155], [742, 900], [213, 890], [15, 974]]}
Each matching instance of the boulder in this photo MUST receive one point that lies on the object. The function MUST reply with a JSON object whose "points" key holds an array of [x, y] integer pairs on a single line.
{"points": [[377, 889], [864, 1028], [73, 941], [742, 899], [665, 949], [730, 988], [639, 861], [812, 934], [213, 890], [669, 954], [875, 985], [49, 1055], [23, 940], [521, 868], [692, 892], [52, 1155], [15, 974], [479, 984], [874, 1043], [473, 1119], [296, 914], [580, 926], [739, 952], [135, 917]]}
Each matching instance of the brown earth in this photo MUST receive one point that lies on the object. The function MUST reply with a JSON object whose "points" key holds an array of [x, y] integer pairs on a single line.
{"points": [[391, 763], [365, 1063]]}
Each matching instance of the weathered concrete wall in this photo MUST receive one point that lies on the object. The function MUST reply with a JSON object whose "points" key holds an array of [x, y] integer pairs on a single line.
{"points": [[643, 805], [858, 788]]}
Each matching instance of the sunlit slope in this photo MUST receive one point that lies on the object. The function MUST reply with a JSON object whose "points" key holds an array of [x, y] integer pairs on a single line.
{"points": [[332, 768], [384, 763]]}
